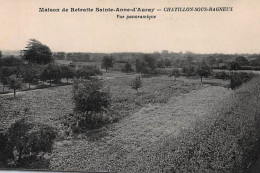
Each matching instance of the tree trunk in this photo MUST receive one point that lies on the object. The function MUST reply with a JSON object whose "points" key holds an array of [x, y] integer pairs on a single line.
{"points": [[67, 80], [3, 88], [201, 79], [29, 85], [50, 82], [14, 92]]}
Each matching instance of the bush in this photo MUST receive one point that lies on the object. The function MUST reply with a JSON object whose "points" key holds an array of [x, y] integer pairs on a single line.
{"points": [[3, 145], [89, 97], [175, 72], [234, 66], [67, 72], [107, 62], [189, 71], [80, 122], [146, 65], [25, 139], [91, 104], [127, 68], [237, 79], [136, 83], [86, 72]]}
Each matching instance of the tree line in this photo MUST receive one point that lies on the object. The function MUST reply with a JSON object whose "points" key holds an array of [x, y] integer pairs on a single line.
{"points": [[37, 65]]}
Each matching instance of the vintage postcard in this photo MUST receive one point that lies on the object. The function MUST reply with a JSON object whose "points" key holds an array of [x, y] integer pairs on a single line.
{"points": [[130, 85]]}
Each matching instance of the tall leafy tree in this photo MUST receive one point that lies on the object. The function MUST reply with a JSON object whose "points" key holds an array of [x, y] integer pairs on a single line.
{"points": [[36, 52]]}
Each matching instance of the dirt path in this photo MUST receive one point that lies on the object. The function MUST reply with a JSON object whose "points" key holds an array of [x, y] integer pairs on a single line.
{"points": [[128, 146]]}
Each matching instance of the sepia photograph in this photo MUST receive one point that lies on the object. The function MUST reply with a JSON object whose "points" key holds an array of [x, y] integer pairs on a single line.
{"points": [[137, 86]]}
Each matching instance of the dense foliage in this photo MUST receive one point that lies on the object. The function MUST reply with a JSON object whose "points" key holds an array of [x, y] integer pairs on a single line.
{"points": [[107, 62], [203, 70], [25, 139], [15, 83], [36, 52], [127, 68], [51, 72], [146, 65], [238, 78], [90, 103], [89, 97], [86, 72], [175, 72], [136, 83], [189, 70]]}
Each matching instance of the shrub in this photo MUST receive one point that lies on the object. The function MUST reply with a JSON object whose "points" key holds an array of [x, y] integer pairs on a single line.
{"points": [[25, 139], [67, 72], [127, 68], [91, 104], [89, 97], [189, 70], [86, 72], [80, 122], [3, 145], [234, 66], [107, 62], [146, 65], [175, 72], [136, 83], [237, 79]]}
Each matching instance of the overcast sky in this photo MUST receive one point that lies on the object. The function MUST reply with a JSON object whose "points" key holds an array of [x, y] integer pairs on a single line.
{"points": [[204, 32]]}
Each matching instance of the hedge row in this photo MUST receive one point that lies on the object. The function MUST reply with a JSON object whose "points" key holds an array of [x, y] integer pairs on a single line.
{"points": [[228, 141]]}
